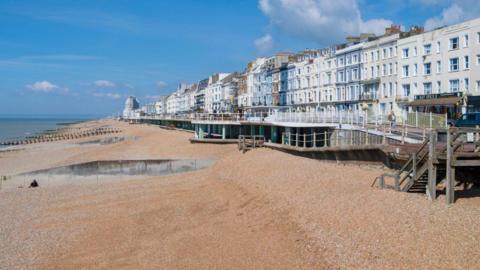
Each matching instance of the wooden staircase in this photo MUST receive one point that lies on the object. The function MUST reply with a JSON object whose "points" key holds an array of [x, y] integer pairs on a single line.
{"points": [[454, 161], [413, 177]]}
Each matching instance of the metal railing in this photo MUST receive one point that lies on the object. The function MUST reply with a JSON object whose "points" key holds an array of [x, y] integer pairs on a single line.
{"points": [[358, 118], [339, 137]]}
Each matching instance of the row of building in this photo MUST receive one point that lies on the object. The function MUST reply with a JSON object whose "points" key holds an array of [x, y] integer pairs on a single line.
{"points": [[401, 71]]}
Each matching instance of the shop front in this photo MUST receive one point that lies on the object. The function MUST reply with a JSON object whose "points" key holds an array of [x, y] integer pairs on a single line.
{"points": [[452, 104]]}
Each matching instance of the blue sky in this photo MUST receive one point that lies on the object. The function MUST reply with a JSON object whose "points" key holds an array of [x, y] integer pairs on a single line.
{"points": [[84, 57]]}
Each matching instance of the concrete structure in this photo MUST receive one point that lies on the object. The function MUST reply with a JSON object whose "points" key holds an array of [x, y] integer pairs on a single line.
{"points": [[131, 106]]}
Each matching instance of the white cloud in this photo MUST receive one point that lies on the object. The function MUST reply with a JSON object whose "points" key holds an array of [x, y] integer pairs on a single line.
{"points": [[264, 44], [457, 11], [160, 84], [107, 95], [323, 21], [44, 86], [104, 83]]}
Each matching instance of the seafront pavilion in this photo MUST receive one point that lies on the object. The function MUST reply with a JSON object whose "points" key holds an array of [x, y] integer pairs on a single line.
{"points": [[421, 147]]}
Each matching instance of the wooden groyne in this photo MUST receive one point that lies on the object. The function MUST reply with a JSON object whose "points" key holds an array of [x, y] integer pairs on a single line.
{"points": [[63, 135]]}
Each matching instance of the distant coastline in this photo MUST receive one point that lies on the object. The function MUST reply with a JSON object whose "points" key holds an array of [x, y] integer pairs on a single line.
{"points": [[21, 127]]}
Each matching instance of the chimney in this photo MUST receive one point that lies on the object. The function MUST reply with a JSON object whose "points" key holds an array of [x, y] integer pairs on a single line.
{"points": [[393, 29], [417, 29]]}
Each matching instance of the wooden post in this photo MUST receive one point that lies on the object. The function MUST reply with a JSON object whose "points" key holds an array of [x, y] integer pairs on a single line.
{"points": [[450, 169], [414, 165], [397, 182], [432, 168], [382, 182]]}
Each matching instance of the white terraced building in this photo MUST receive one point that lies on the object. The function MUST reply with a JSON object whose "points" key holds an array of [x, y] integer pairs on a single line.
{"points": [[213, 93], [328, 76], [440, 69], [436, 71]]}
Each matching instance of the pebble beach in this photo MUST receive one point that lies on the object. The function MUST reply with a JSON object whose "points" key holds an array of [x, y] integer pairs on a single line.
{"points": [[262, 209]]}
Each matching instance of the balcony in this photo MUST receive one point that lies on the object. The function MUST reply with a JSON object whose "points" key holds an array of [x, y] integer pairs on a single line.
{"points": [[401, 99], [368, 97]]}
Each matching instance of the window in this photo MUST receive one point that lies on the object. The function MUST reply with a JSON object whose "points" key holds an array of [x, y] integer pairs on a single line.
{"points": [[384, 53], [454, 43], [427, 69], [427, 49], [453, 64], [390, 69], [465, 41], [454, 86], [439, 87], [427, 88], [415, 52], [466, 81], [406, 90], [405, 71], [390, 52], [415, 70], [478, 37], [405, 53], [478, 86], [478, 59], [439, 66], [466, 62], [384, 70], [438, 46]]}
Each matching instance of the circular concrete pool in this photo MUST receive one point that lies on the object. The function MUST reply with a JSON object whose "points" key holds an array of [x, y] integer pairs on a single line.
{"points": [[105, 171]]}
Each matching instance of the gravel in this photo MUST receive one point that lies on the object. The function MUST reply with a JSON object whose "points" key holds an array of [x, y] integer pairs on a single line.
{"points": [[260, 210]]}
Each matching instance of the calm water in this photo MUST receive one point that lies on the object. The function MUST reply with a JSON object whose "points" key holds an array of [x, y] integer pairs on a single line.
{"points": [[19, 128]]}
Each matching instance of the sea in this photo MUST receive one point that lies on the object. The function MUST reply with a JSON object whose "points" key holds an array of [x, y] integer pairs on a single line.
{"points": [[17, 128]]}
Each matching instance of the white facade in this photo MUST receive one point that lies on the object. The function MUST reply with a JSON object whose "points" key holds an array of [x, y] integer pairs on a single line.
{"points": [[253, 96], [397, 72], [443, 61], [328, 79], [379, 74], [213, 93]]}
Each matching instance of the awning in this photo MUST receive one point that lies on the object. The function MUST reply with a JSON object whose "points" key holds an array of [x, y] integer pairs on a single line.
{"points": [[435, 101]]}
